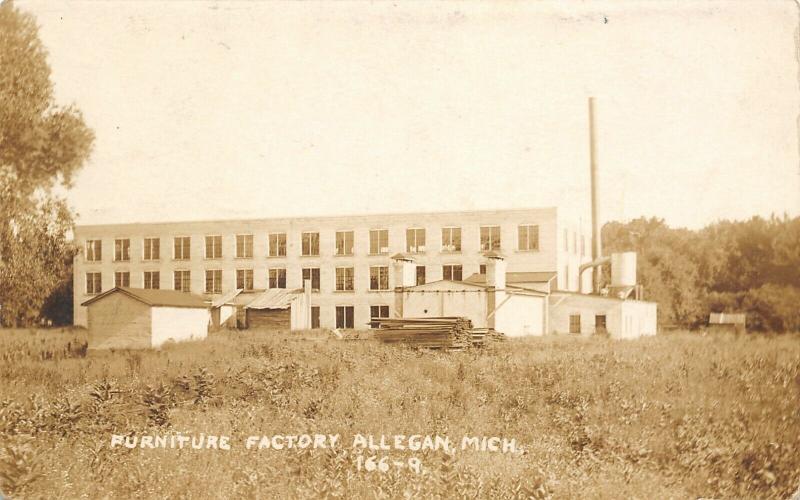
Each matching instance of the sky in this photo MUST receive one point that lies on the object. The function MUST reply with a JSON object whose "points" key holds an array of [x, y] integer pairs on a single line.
{"points": [[215, 110]]}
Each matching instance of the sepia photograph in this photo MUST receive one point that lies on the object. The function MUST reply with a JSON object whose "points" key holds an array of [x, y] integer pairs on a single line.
{"points": [[399, 250]]}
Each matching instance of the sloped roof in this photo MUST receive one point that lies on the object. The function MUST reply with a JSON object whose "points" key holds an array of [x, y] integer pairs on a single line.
{"points": [[519, 277], [156, 298], [226, 299], [274, 298]]}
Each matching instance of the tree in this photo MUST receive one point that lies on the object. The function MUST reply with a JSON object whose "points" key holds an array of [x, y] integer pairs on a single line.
{"points": [[42, 146]]}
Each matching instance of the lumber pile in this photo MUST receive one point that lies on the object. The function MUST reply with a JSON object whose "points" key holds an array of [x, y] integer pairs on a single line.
{"points": [[454, 333]]}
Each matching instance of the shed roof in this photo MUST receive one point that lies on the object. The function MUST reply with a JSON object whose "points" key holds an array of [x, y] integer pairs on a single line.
{"points": [[156, 298], [518, 277], [274, 298], [227, 298]]}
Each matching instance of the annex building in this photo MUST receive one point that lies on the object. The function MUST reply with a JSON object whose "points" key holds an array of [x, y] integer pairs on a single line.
{"points": [[348, 259]]}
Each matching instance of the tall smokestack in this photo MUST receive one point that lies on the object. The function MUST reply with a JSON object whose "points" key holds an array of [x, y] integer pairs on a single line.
{"points": [[597, 249]]}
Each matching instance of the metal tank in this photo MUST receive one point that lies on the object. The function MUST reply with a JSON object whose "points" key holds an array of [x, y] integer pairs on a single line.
{"points": [[623, 269]]}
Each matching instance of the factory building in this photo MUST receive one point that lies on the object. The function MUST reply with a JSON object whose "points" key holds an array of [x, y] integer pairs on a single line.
{"points": [[348, 259]]}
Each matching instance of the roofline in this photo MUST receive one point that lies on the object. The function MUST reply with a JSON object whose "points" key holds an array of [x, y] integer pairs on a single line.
{"points": [[311, 217], [136, 297], [597, 296]]}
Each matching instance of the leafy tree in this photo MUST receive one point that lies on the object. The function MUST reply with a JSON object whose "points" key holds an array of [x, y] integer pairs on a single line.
{"points": [[750, 266], [42, 146]]}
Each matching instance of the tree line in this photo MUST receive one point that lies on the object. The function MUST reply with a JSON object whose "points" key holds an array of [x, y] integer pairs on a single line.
{"points": [[748, 266]]}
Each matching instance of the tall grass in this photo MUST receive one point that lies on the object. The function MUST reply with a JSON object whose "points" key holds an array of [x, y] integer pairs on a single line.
{"points": [[678, 416]]}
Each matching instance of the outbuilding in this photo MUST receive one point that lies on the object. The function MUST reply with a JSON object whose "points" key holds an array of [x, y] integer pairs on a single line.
{"points": [[487, 301], [135, 318], [280, 309], [589, 314], [223, 310]]}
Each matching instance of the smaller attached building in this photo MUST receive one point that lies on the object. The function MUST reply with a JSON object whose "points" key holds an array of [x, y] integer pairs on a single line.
{"points": [[134, 318], [596, 314]]}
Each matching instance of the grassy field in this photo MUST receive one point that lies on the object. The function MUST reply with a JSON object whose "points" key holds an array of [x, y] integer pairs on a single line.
{"points": [[676, 416]]}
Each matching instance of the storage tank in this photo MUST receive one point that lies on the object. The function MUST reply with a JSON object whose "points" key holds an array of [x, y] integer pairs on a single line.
{"points": [[623, 269]]}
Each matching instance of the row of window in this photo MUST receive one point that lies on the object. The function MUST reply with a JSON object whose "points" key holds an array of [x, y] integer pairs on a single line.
{"points": [[345, 315], [528, 240], [345, 278]]}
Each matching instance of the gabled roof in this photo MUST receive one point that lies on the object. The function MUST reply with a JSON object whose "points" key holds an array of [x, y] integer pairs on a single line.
{"points": [[156, 298], [520, 277], [274, 298]]}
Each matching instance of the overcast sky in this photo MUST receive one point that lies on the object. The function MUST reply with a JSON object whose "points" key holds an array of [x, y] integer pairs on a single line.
{"points": [[225, 110]]}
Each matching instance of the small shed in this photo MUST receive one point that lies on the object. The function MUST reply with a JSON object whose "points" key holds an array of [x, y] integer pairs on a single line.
{"points": [[135, 318], [280, 309], [223, 310], [727, 322]]}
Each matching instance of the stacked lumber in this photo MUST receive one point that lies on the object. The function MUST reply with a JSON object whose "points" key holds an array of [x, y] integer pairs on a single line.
{"points": [[453, 333]]}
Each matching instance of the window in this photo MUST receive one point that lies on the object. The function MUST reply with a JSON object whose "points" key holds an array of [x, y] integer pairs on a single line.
{"points": [[312, 273], [378, 241], [310, 243], [181, 247], [529, 237], [122, 278], [574, 242], [182, 281], [244, 246], [344, 279], [566, 277], [122, 250], [152, 280], [566, 240], [152, 249], [277, 245], [600, 323], [344, 242], [574, 323], [415, 240], [244, 279], [451, 239], [277, 277], [314, 316], [94, 283], [213, 247], [377, 312], [482, 269], [583, 245], [490, 238], [344, 316], [379, 278], [452, 272], [420, 275], [94, 250], [214, 281]]}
